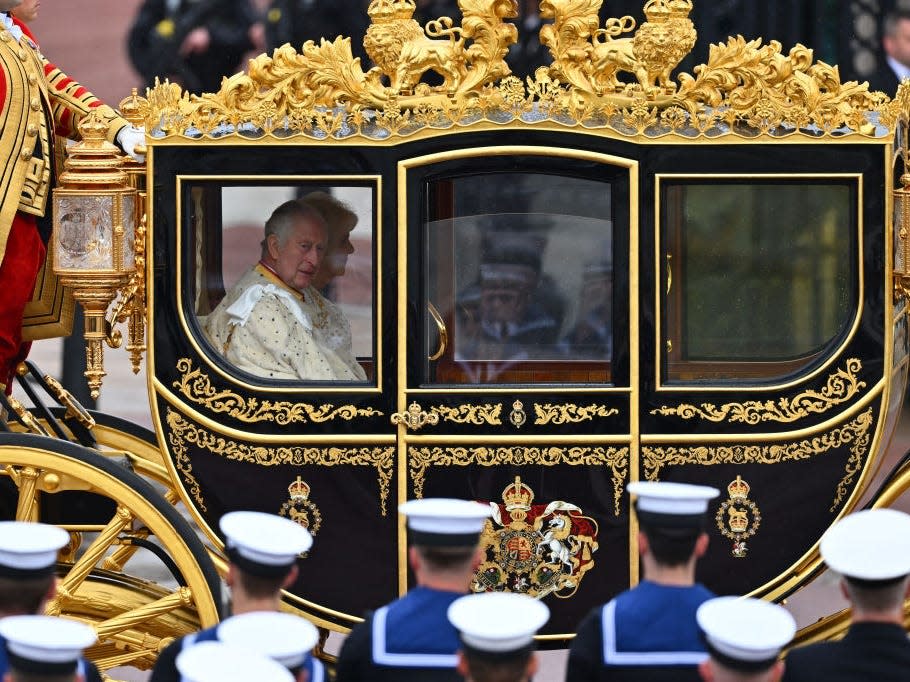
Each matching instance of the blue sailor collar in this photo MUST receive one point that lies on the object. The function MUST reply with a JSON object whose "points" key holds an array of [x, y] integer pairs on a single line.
{"points": [[414, 631], [625, 615]]}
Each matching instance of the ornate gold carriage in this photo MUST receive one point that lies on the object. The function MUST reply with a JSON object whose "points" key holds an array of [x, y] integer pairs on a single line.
{"points": [[601, 274]]}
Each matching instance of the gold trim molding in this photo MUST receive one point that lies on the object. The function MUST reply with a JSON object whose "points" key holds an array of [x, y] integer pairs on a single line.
{"points": [[547, 413], [183, 433], [854, 434], [471, 414], [745, 89], [840, 387], [197, 388], [617, 458]]}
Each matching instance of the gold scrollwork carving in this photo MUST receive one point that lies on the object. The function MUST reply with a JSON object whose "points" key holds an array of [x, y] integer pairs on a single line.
{"points": [[854, 434], [197, 387], [746, 88], [470, 414], [570, 414], [617, 458], [183, 433], [840, 387]]}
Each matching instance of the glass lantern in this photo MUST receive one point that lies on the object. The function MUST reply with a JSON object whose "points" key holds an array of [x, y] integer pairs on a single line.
{"points": [[94, 234]]}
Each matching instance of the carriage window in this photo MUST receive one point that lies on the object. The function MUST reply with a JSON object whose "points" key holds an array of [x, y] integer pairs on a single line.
{"points": [[760, 276], [293, 306], [520, 280]]}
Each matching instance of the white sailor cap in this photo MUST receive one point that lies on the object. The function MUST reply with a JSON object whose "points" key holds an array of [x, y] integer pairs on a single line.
{"points": [[743, 633], [440, 521], [210, 661], [671, 504], [282, 637], [262, 544], [28, 550], [497, 623], [869, 546], [45, 645]]}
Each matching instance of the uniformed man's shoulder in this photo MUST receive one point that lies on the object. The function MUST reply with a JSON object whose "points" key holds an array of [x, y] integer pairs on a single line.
{"points": [[165, 669]]}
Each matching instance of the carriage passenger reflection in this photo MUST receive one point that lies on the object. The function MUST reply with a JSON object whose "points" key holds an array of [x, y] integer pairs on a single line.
{"points": [[507, 317], [274, 323], [591, 337]]}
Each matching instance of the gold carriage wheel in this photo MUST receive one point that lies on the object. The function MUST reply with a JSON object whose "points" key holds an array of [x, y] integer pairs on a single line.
{"points": [[135, 618]]}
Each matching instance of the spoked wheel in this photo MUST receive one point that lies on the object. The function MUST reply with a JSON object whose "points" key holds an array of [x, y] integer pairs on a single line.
{"points": [[113, 516]]}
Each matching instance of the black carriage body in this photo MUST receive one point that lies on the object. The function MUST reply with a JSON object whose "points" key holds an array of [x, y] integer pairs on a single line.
{"points": [[789, 431]]}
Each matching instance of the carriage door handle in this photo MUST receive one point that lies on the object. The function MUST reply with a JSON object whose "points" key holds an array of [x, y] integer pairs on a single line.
{"points": [[414, 417], [443, 332]]}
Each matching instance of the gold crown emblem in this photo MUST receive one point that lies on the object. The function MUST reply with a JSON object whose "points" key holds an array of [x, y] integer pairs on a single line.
{"points": [[517, 495], [657, 10], [738, 489], [299, 490], [739, 520], [680, 8], [384, 11]]}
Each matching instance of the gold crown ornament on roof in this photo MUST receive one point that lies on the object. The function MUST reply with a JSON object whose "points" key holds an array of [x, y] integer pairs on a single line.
{"points": [[616, 76]]}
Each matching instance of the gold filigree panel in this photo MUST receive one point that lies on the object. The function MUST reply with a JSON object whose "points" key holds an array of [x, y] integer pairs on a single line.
{"points": [[617, 458], [471, 414], [184, 433], [196, 387], [854, 434], [547, 413], [840, 387], [745, 89]]}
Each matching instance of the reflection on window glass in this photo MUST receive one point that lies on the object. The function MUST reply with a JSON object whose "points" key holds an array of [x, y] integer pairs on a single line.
{"points": [[761, 275], [284, 278], [522, 279]]}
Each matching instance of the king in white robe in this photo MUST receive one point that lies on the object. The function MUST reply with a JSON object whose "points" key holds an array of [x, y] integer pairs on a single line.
{"points": [[266, 328]]}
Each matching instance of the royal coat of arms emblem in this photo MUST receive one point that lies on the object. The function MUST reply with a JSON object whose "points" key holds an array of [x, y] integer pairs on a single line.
{"points": [[536, 549]]}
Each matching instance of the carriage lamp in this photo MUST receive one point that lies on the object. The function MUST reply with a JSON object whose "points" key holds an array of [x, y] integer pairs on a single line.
{"points": [[94, 234], [902, 237]]}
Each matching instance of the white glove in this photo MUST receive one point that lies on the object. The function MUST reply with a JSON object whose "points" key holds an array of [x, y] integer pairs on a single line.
{"points": [[130, 137]]}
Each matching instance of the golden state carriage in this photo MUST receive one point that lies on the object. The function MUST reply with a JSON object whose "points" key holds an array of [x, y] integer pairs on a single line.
{"points": [[601, 274]]}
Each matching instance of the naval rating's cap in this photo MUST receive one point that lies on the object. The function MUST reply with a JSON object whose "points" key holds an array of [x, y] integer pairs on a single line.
{"points": [[261, 544], [869, 546], [440, 521], [671, 504], [45, 645], [282, 637], [210, 661], [497, 623], [745, 634], [29, 550]]}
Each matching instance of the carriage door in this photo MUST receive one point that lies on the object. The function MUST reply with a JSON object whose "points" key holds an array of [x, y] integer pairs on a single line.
{"points": [[514, 358]]}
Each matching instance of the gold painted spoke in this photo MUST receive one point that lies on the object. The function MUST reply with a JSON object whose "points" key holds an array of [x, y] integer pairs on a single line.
{"points": [[118, 559], [182, 598], [26, 479], [93, 553]]}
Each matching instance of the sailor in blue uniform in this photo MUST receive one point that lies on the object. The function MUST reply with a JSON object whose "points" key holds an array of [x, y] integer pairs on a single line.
{"points": [[213, 661], [411, 638], [45, 648], [497, 631], [262, 551], [28, 562], [283, 637], [744, 638], [870, 550], [649, 632]]}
